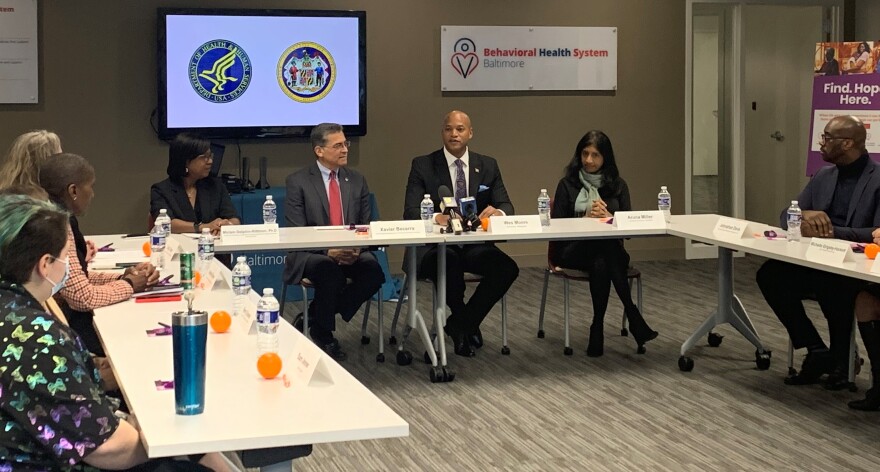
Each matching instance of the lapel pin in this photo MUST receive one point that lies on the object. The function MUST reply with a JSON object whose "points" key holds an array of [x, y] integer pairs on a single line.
{"points": [[476, 170], [346, 179]]}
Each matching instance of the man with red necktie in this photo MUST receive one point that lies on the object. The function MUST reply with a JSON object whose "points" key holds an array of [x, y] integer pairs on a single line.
{"points": [[328, 193]]}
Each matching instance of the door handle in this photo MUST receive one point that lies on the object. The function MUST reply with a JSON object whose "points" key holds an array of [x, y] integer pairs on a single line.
{"points": [[777, 136]]}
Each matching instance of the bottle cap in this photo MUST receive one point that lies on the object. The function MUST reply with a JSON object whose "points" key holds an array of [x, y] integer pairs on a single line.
{"points": [[268, 197], [163, 211], [662, 187], [241, 259], [268, 291], [427, 195], [206, 230], [794, 202], [543, 190]]}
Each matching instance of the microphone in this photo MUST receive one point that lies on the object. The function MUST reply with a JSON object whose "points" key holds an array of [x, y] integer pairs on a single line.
{"points": [[469, 211], [449, 206]]}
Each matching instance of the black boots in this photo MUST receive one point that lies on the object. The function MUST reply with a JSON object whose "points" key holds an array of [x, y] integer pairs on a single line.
{"points": [[597, 340], [870, 332], [639, 328]]}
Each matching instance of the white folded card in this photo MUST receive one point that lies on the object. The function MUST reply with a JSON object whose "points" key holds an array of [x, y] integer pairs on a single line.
{"points": [[172, 248], [640, 220], [829, 251], [215, 276], [248, 318], [307, 365], [515, 224], [397, 229], [732, 228], [243, 234]]}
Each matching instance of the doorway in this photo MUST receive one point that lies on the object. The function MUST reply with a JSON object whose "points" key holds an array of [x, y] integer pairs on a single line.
{"points": [[748, 100]]}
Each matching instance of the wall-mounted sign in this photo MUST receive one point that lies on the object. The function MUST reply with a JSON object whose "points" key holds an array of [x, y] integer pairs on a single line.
{"points": [[493, 58], [18, 51]]}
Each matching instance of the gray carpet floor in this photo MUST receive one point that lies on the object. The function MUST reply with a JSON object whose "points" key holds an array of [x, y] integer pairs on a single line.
{"points": [[540, 410]]}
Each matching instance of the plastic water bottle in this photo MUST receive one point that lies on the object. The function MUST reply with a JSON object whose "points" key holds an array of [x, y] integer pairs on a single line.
{"points": [[157, 246], [270, 210], [544, 207], [267, 322], [794, 222], [427, 212], [206, 249], [664, 202], [165, 221], [241, 284]]}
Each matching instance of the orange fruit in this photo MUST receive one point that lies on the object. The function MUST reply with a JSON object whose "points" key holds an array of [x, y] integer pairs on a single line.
{"points": [[197, 278], [269, 365], [220, 321], [871, 250], [147, 249]]}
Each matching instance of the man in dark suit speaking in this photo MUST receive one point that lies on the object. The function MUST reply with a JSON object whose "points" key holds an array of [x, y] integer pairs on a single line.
{"points": [[327, 193], [466, 174]]}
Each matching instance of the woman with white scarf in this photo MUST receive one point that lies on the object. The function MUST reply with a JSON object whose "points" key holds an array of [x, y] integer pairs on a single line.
{"points": [[592, 188]]}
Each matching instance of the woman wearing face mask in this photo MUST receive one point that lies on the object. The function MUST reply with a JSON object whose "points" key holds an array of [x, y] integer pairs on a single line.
{"points": [[69, 180], [592, 188], [55, 416]]}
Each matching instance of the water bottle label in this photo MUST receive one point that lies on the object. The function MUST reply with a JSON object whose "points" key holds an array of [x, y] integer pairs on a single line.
{"points": [[267, 316], [241, 281], [270, 213], [794, 218], [543, 205], [427, 211], [157, 240], [166, 228], [664, 201], [206, 249]]}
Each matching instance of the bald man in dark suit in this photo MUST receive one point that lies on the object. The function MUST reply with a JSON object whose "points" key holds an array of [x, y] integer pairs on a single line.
{"points": [[466, 174], [327, 193]]}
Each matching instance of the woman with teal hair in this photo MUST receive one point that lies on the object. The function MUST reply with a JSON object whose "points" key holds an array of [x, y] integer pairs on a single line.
{"points": [[55, 414]]}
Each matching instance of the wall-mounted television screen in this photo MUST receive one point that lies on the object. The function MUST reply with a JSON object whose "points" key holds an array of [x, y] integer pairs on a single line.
{"points": [[261, 73]]}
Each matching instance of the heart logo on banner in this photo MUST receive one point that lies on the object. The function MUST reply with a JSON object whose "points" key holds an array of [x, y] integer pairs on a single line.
{"points": [[464, 64]]}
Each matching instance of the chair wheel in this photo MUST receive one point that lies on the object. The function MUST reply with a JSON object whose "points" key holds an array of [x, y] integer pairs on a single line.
{"points": [[541, 333], [568, 351], [448, 374], [404, 358], [435, 374], [685, 364], [365, 340], [505, 351], [762, 359], [715, 339], [380, 357], [392, 341], [624, 332], [641, 349]]}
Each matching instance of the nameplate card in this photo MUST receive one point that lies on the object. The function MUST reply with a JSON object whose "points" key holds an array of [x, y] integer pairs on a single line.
{"points": [[397, 229], [249, 234], [515, 224], [731, 228], [215, 276], [640, 220], [829, 251], [875, 266], [303, 362], [248, 318], [172, 248]]}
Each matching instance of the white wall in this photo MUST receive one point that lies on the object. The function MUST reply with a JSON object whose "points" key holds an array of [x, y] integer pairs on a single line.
{"points": [[867, 20], [705, 96]]}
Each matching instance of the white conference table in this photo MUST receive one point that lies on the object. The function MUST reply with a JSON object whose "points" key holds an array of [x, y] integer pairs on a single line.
{"points": [[243, 410], [729, 309]]}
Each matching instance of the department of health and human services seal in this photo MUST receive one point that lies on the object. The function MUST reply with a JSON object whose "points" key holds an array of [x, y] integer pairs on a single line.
{"points": [[220, 71], [306, 72]]}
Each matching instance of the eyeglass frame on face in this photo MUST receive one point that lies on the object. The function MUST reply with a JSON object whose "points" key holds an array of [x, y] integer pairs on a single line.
{"points": [[338, 146], [208, 155], [824, 138]]}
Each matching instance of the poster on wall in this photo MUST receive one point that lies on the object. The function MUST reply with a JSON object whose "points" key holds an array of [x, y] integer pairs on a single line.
{"points": [[846, 82], [499, 58], [18, 51]]}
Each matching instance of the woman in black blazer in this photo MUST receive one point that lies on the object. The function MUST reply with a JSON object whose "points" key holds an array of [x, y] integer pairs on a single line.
{"points": [[592, 188], [192, 197]]}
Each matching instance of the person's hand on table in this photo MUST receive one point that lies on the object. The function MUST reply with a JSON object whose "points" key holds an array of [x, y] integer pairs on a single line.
{"points": [[141, 276], [599, 209], [442, 220], [490, 211], [91, 250], [215, 225], [816, 224]]}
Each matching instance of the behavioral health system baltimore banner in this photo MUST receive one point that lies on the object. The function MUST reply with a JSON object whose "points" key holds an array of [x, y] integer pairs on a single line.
{"points": [[493, 58], [847, 82]]}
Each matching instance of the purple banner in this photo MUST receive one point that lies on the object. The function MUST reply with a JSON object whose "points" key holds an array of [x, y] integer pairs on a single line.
{"points": [[857, 93]]}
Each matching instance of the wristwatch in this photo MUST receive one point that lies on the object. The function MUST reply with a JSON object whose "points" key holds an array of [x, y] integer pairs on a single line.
{"points": [[197, 227]]}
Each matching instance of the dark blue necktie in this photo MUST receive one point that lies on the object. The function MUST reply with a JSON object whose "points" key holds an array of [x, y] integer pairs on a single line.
{"points": [[460, 182]]}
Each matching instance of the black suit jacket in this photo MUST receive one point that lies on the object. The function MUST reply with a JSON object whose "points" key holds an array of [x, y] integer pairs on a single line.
{"points": [[429, 172], [212, 201], [306, 204]]}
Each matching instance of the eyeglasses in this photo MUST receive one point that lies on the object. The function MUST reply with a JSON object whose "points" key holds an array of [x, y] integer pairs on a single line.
{"points": [[827, 137], [208, 156], [339, 146]]}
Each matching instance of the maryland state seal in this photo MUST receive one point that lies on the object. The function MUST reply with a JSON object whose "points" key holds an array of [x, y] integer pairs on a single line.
{"points": [[306, 72], [220, 71]]}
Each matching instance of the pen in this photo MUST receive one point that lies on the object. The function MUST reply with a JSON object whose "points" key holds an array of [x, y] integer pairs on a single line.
{"points": [[105, 247], [164, 325], [136, 235], [165, 280]]}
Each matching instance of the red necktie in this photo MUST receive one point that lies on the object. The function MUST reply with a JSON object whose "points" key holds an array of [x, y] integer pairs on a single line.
{"points": [[335, 199]]}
